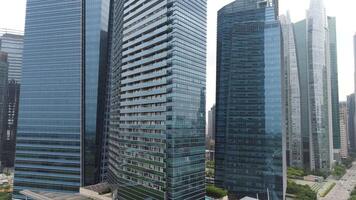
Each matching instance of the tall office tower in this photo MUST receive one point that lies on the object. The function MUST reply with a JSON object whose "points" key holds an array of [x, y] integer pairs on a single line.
{"points": [[105, 138], [302, 55], [3, 99], [319, 84], [334, 82], [343, 130], [61, 102], [351, 128], [249, 143], [157, 137], [11, 42], [211, 125], [9, 136], [292, 95]]}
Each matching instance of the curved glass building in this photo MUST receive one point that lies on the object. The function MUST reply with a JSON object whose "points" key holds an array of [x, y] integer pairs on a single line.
{"points": [[292, 95], [319, 94], [249, 143]]}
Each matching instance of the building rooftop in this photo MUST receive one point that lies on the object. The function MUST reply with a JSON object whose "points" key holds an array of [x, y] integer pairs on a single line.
{"points": [[53, 196]]}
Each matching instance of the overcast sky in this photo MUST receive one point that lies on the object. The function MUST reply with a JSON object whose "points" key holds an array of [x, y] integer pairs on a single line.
{"points": [[12, 16]]}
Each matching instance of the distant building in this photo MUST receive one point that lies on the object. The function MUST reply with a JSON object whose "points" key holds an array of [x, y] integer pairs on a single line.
{"points": [[302, 56], [292, 95], [317, 65], [211, 126], [343, 130], [11, 42], [351, 128], [249, 142], [3, 101], [334, 82], [9, 138]]}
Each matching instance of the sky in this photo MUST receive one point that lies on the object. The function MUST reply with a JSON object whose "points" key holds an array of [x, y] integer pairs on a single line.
{"points": [[12, 16]]}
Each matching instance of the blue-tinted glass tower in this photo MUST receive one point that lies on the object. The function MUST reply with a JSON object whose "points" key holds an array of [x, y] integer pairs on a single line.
{"points": [[157, 129], [61, 102], [249, 142]]}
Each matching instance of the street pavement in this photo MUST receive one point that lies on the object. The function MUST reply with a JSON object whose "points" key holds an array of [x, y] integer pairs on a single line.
{"points": [[343, 187]]}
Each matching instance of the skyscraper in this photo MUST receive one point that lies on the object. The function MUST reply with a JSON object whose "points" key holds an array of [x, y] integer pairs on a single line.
{"points": [[61, 102], [292, 95], [343, 130], [334, 82], [3, 99], [249, 142], [302, 55], [157, 134], [319, 99], [9, 135], [11, 42], [351, 128], [211, 124], [319, 85]]}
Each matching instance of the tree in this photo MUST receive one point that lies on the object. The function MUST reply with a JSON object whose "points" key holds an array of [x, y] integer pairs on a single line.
{"points": [[302, 192], [339, 171], [215, 192]]}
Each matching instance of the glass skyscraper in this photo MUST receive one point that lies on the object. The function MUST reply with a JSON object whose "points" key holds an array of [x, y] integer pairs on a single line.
{"points": [[292, 95], [343, 130], [61, 102], [157, 134], [319, 83], [351, 128], [334, 82], [316, 49], [4, 65], [11, 42], [250, 133], [302, 55]]}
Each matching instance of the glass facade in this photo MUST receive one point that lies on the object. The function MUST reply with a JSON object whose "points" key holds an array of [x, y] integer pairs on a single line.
{"points": [[4, 65], [302, 55], [249, 142], [343, 131], [319, 81], [211, 124], [351, 128], [61, 106], [9, 136], [12, 44], [157, 135], [334, 82], [292, 95]]}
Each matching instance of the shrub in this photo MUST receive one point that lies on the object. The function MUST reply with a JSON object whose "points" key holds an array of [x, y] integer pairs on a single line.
{"points": [[302, 192], [295, 172], [215, 192], [339, 171], [328, 190]]}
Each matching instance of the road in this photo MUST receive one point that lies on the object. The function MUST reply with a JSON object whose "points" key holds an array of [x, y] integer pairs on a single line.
{"points": [[344, 186]]}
